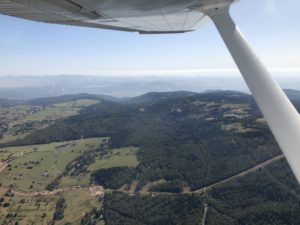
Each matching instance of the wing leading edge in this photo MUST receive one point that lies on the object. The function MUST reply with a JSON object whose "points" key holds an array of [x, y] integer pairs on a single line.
{"points": [[145, 16]]}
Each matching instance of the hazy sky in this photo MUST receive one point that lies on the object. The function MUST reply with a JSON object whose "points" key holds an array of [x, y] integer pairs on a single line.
{"points": [[31, 48]]}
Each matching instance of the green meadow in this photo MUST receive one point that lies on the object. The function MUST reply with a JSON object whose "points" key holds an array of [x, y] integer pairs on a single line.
{"points": [[43, 163]]}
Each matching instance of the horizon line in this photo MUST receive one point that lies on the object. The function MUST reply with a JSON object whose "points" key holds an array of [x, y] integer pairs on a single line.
{"points": [[152, 72]]}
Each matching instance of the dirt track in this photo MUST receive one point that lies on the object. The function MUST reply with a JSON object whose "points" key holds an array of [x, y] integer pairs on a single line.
{"points": [[3, 165], [39, 193]]}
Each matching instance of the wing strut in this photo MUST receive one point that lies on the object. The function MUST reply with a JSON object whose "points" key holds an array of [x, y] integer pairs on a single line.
{"points": [[281, 116]]}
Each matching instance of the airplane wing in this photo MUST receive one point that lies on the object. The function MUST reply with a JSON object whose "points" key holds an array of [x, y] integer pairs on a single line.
{"points": [[147, 16]]}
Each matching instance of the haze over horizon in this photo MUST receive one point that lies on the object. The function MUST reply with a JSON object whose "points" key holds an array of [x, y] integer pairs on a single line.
{"points": [[28, 87]]}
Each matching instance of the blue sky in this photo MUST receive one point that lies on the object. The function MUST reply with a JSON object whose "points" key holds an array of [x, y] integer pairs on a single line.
{"points": [[31, 48]]}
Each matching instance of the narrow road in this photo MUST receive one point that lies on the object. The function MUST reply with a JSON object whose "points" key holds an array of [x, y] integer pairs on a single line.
{"points": [[3, 165], [38, 193], [241, 174], [204, 214]]}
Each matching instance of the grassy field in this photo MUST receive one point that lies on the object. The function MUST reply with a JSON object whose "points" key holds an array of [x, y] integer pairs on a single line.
{"points": [[24, 119], [7, 153], [56, 111], [78, 204], [39, 210], [116, 157], [32, 172], [82, 179]]}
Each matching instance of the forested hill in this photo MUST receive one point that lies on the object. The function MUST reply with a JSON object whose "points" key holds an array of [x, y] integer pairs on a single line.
{"points": [[153, 97], [195, 139], [294, 95], [8, 102], [165, 107], [184, 143]]}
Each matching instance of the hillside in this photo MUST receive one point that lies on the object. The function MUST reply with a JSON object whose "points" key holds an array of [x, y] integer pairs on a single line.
{"points": [[201, 150], [8, 102], [196, 139], [67, 98], [153, 97]]}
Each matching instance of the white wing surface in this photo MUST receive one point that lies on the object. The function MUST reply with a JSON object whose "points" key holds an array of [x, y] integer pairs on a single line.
{"points": [[144, 16]]}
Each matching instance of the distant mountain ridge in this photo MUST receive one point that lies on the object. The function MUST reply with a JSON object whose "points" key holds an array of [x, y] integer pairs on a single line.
{"points": [[148, 98], [153, 97], [68, 98]]}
